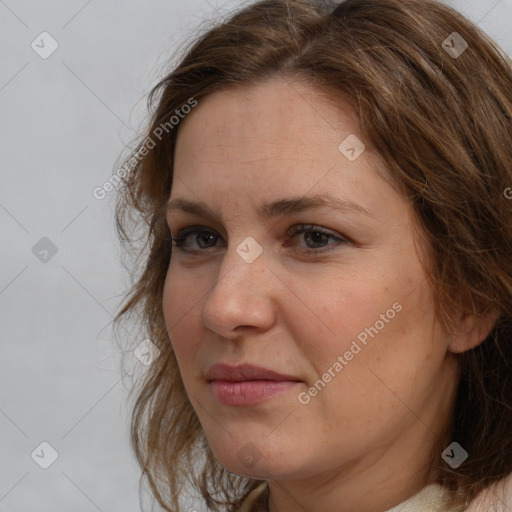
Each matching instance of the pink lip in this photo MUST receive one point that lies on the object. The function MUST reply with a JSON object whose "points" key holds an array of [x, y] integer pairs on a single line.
{"points": [[246, 384]]}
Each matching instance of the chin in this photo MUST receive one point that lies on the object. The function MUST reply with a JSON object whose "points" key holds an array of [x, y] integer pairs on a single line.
{"points": [[252, 460]]}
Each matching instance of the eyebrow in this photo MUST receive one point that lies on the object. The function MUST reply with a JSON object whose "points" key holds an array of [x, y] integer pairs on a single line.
{"points": [[280, 207]]}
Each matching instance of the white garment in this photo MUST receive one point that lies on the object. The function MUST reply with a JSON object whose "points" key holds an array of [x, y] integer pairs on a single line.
{"points": [[497, 498], [428, 499]]}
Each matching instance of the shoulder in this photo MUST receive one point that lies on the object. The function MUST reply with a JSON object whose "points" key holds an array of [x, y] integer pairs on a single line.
{"points": [[497, 498]]}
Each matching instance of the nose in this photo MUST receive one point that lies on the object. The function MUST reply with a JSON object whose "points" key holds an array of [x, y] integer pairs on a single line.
{"points": [[242, 298]]}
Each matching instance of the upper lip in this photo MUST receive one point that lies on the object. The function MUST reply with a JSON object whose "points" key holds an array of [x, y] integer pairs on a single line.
{"points": [[244, 372]]}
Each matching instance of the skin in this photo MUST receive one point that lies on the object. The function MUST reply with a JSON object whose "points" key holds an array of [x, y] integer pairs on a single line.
{"points": [[362, 443]]}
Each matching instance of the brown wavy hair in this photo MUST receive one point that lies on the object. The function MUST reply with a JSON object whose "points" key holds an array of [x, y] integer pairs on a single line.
{"points": [[443, 126]]}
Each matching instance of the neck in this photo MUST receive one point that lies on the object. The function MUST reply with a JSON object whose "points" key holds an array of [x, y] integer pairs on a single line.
{"points": [[378, 481], [364, 491]]}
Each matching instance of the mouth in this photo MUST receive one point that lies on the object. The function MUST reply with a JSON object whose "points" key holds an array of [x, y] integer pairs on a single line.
{"points": [[247, 384]]}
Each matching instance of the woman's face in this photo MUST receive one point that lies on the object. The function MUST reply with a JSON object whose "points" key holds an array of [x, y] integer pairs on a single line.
{"points": [[303, 263]]}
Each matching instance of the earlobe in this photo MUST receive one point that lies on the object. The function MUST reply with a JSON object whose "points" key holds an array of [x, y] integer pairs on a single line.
{"points": [[471, 330]]}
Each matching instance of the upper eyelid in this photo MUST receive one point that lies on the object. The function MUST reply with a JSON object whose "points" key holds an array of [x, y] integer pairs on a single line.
{"points": [[296, 226], [195, 227]]}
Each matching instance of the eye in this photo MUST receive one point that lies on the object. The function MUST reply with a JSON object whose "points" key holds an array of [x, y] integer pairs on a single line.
{"points": [[203, 237], [195, 239], [316, 239]]}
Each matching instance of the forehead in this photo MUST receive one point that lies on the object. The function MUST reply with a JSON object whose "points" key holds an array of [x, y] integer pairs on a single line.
{"points": [[274, 139], [281, 117], [278, 123]]}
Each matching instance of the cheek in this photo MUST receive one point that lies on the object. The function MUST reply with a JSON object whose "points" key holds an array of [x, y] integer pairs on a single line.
{"points": [[181, 303], [397, 363], [378, 327], [330, 318]]}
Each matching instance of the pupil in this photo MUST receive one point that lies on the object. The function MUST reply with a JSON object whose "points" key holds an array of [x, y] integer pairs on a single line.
{"points": [[204, 237], [316, 237]]}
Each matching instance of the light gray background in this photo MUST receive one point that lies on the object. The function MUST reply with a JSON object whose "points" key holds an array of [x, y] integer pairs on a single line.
{"points": [[64, 121]]}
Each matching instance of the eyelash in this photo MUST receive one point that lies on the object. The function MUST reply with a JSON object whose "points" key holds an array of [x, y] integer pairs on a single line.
{"points": [[180, 238]]}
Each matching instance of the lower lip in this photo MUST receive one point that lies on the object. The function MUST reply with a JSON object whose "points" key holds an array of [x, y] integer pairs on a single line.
{"points": [[249, 392]]}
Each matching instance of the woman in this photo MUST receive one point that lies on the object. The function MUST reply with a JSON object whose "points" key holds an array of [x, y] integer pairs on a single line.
{"points": [[327, 274]]}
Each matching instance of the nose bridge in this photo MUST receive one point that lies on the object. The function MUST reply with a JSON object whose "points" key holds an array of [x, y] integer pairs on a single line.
{"points": [[239, 296], [243, 266]]}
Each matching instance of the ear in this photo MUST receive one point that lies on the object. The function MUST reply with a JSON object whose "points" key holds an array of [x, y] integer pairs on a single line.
{"points": [[471, 330]]}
